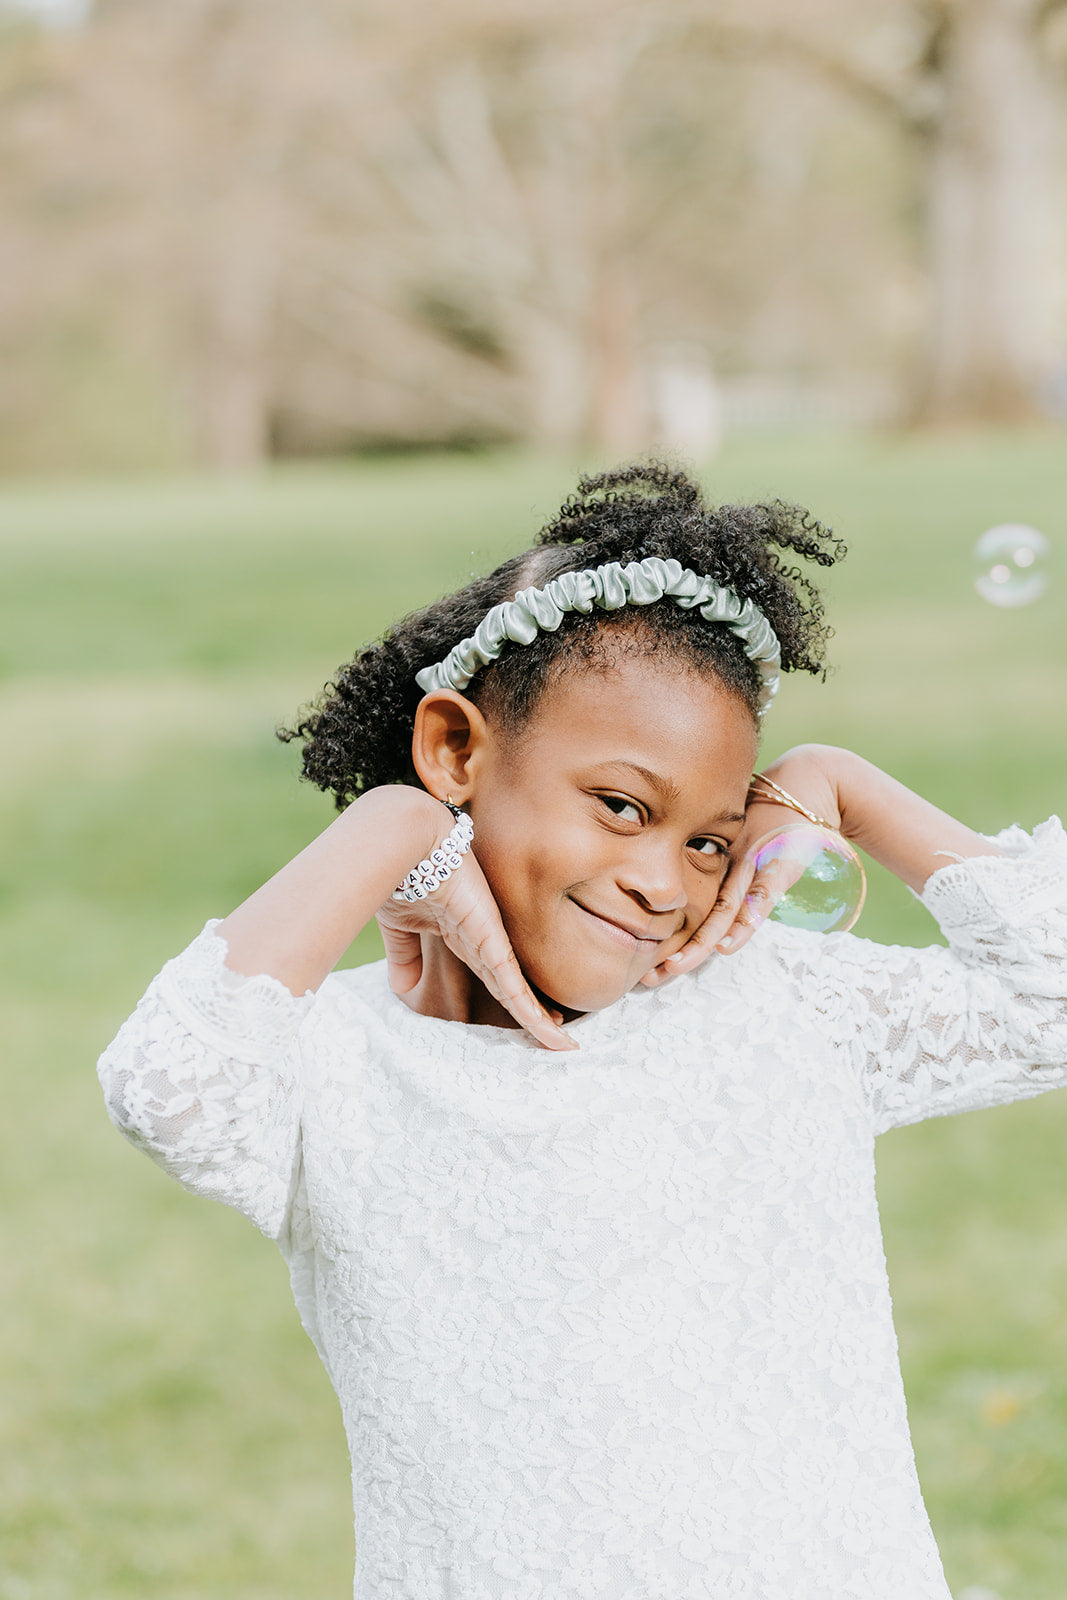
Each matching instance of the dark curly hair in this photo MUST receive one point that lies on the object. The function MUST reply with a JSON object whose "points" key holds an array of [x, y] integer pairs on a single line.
{"points": [[358, 734]]}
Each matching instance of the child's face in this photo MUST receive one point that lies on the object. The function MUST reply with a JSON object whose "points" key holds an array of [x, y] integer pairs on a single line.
{"points": [[604, 833]]}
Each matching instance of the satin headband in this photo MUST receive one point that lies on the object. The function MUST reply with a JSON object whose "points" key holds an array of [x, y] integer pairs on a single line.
{"points": [[610, 587]]}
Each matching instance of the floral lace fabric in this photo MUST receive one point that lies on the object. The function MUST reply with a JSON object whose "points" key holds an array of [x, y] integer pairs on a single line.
{"points": [[613, 1325]]}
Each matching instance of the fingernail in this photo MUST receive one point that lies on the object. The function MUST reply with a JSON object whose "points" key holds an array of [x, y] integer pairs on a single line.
{"points": [[724, 944]]}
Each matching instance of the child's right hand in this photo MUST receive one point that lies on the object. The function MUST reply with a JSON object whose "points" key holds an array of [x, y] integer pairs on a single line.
{"points": [[298, 924], [463, 914]]}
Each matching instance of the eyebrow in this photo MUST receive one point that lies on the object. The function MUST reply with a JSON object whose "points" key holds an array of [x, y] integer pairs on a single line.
{"points": [[665, 787]]}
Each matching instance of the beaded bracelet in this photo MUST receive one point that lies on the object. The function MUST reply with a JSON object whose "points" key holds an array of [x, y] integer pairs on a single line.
{"points": [[441, 863]]}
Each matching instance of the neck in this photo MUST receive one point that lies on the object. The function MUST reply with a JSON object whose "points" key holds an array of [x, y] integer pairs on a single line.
{"points": [[449, 990]]}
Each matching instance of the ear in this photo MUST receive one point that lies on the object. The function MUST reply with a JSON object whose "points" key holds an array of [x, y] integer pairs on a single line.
{"points": [[448, 744]]}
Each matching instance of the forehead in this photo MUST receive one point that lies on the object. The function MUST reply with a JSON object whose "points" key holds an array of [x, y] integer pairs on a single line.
{"points": [[655, 712]]}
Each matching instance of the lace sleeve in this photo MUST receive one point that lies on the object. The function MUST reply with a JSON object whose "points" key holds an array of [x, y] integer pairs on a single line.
{"points": [[982, 1022], [202, 1079]]}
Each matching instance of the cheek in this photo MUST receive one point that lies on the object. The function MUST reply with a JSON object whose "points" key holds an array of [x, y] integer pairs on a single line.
{"points": [[530, 847], [704, 900], [518, 867]]}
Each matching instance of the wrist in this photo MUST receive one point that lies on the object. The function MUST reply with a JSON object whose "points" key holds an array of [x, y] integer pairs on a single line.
{"points": [[817, 776]]}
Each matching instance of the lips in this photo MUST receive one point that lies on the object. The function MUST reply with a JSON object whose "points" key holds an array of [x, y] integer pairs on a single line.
{"points": [[622, 932]]}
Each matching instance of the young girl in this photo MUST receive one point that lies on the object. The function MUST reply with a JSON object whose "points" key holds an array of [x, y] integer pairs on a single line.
{"points": [[582, 1222]]}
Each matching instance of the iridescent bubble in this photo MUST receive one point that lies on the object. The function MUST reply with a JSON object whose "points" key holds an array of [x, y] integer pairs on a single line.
{"points": [[1008, 564], [815, 875]]}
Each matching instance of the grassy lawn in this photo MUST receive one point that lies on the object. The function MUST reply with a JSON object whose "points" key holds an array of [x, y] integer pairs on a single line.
{"points": [[165, 1427]]}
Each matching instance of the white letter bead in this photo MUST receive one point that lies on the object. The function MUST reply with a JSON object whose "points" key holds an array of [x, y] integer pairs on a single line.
{"points": [[439, 865]]}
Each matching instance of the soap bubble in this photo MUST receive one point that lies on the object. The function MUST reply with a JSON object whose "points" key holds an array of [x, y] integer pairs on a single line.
{"points": [[1008, 560], [816, 876]]}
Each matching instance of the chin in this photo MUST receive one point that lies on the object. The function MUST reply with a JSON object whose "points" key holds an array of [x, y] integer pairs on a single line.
{"points": [[579, 995]]}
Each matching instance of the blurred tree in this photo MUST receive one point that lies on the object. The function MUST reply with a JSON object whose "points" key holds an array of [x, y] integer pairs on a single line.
{"points": [[991, 185], [973, 84], [504, 143], [237, 227]]}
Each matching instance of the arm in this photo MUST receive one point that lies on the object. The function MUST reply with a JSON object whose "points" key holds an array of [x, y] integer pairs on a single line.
{"points": [[932, 1031], [203, 1079], [980, 1023], [204, 1076], [300, 923], [892, 823]]}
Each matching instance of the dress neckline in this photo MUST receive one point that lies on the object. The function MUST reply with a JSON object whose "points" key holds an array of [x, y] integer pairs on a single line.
{"points": [[635, 1010]]}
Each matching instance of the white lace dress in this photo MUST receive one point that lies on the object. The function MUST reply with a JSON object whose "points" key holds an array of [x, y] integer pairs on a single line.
{"points": [[613, 1325]]}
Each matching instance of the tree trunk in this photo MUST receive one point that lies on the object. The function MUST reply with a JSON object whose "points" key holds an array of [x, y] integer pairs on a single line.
{"points": [[988, 188], [240, 294], [617, 420]]}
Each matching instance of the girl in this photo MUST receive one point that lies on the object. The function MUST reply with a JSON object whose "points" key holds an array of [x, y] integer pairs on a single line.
{"points": [[582, 1222]]}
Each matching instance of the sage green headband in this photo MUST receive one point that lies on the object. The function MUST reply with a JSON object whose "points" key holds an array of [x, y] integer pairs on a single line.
{"points": [[639, 583]]}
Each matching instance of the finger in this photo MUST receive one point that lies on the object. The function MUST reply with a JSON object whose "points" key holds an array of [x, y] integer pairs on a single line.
{"points": [[503, 978], [696, 950], [465, 916], [403, 957], [765, 890], [705, 940], [662, 974], [715, 934], [752, 914], [479, 939], [778, 877]]}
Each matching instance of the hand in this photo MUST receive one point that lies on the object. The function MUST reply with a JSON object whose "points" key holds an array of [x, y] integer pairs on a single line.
{"points": [[463, 913], [746, 897]]}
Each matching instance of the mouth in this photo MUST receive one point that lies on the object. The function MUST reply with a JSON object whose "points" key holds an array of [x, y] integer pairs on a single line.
{"points": [[622, 933]]}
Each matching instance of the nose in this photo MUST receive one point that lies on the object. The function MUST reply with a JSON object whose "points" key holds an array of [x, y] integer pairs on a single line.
{"points": [[653, 873]]}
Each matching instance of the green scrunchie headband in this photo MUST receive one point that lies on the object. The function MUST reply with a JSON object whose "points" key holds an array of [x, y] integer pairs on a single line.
{"points": [[610, 587]]}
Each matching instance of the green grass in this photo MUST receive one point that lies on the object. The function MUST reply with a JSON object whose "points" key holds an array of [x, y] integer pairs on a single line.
{"points": [[165, 1428]]}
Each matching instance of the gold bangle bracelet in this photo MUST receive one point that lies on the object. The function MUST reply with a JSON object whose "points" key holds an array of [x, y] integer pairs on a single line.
{"points": [[780, 796]]}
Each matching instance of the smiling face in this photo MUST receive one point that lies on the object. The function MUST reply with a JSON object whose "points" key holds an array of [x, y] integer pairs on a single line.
{"points": [[604, 831]]}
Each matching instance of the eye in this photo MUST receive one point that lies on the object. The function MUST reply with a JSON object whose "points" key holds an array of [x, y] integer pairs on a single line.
{"points": [[628, 810], [709, 848]]}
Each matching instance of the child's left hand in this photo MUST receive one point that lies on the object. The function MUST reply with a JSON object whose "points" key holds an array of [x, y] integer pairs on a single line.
{"points": [[747, 897], [894, 825]]}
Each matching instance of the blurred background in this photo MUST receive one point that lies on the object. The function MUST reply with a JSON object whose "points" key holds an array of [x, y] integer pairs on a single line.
{"points": [[237, 230], [309, 309]]}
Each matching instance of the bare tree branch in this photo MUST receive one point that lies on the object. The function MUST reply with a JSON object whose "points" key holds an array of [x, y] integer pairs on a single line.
{"points": [[904, 102]]}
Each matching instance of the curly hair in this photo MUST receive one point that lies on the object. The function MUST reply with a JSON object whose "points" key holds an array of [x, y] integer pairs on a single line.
{"points": [[358, 734]]}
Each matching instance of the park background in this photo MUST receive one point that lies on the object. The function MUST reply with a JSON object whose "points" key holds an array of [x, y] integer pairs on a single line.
{"points": [[307, 310]]}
